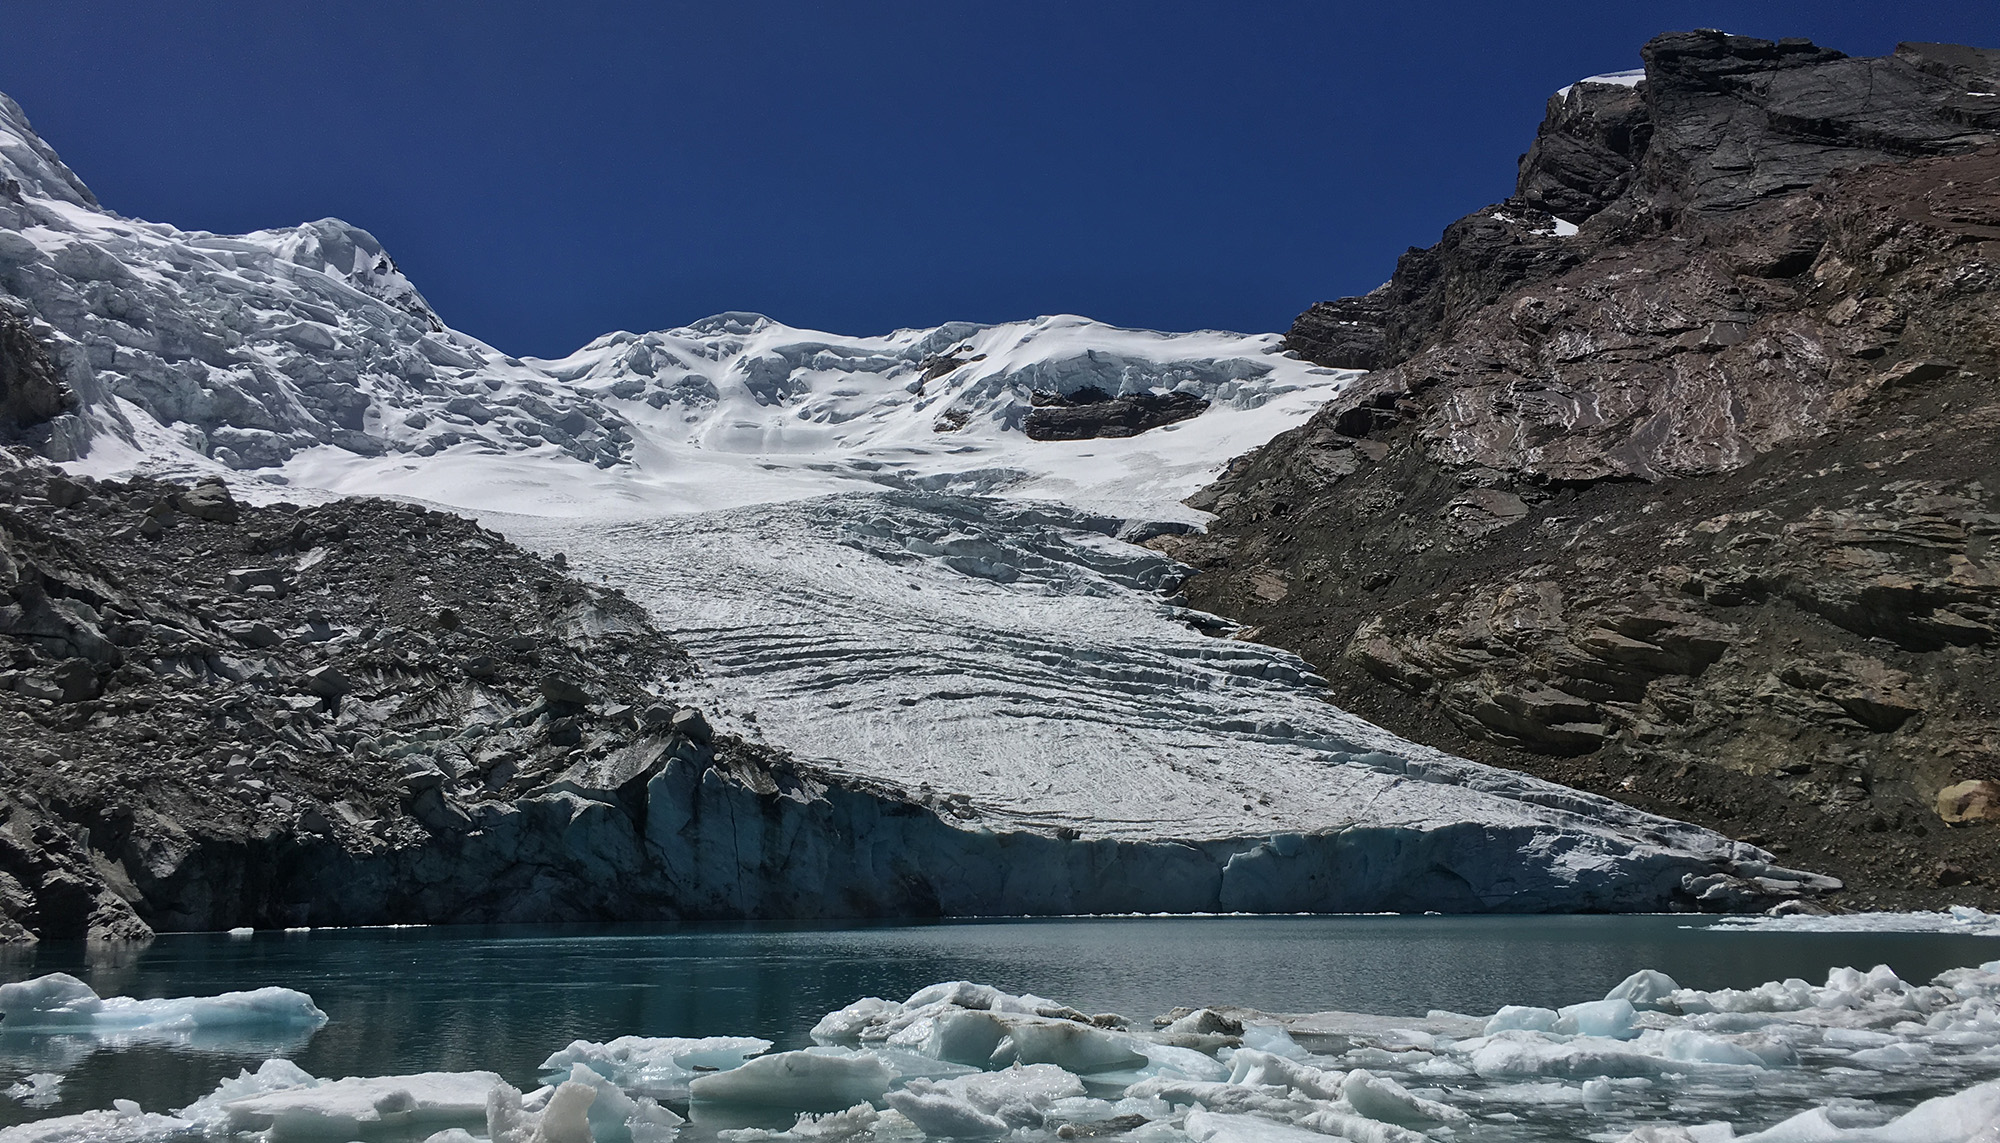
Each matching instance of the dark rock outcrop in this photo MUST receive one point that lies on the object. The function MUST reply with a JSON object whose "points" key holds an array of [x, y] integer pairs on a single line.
{"points": [[1720, 124], [1090, 413], [31, 388], [1692, 506]]}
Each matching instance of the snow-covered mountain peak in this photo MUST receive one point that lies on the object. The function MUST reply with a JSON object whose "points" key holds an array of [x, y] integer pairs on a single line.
{"points": [[303, 355], [32, 165], [348, 252]]}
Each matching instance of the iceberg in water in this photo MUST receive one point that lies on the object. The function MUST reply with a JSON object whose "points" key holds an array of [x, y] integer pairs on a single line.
{"points": [[660, 1067], [59, 1002], [52, 1023]]}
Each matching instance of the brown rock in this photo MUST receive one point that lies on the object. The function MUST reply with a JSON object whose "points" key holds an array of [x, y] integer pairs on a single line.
{"points": [[1973, 801]]}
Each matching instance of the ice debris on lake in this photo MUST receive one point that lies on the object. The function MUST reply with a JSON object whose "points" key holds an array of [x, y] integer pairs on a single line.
{"points": [[1959, 920], [50, 1024], [59, 1002], [1864, 1058]]}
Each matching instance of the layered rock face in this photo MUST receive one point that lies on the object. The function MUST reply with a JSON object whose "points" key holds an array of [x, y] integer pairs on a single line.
{"points": [[1683, 462]]}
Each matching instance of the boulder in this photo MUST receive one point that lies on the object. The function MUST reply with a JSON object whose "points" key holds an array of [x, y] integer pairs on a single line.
{"points": [[1973, 801], [562, 689], [328, 682], [210, 500]]}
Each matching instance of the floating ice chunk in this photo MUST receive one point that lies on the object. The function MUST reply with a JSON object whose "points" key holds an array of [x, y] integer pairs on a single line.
{"points": [[360, 1107], [1273, 1039], [40, 1089], [1971, 1116], [961, 1035], [817, 1079], [1358, 1129], [1663, 1133], [985, 997], [1173, 1060], [846, 1025], [1646, 988], [1685, 1045], [59, 1002], [1960, 919], [1892, 1056], [1379, 1097], [125, 1124], [1017, 1096], [566, 1117], [1608, 1018], [939, 1114], [1531, 1054], [1255, 1068], [1522, 1018], [832, 1127], [616, 1117], [660, 1067], [1071, 1046], [210, 1111], [1212, 1127]]}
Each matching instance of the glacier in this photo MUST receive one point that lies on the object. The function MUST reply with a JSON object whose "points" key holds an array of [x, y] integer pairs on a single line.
{"points": [[996, 703]]}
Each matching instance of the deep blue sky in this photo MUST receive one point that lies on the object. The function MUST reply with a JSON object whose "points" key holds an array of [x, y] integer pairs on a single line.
{"points": [[546, 172]]}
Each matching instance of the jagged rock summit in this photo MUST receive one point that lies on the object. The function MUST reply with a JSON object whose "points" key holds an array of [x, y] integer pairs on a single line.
{"points": [[1689, 447]]}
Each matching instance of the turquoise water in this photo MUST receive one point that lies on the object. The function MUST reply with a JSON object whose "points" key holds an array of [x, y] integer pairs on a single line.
{"points": [[504, 998]]}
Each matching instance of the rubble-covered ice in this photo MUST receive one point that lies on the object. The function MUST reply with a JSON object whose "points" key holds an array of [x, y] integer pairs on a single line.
{"points": [[1863, 1058]]}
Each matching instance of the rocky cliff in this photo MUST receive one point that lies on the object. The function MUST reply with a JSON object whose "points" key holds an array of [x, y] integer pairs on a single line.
{"points": [[1676, 477]]}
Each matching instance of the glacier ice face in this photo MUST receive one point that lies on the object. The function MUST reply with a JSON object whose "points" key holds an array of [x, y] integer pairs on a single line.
{"points": [[1018, 669]]}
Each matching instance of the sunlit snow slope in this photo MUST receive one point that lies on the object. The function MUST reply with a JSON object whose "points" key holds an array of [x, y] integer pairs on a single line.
{"points": [[856, 538]]}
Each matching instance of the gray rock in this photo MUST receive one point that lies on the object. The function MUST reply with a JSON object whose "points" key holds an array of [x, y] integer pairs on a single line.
{"points": [[690, 722], [246, 579], [209, 500], [563, 689], [328, 682]]}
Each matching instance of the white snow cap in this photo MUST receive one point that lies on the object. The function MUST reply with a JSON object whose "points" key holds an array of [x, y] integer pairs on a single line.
{"points": [[1632, 78]]}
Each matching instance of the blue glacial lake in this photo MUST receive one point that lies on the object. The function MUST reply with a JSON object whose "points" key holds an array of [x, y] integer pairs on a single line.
{"points": [[407, 1000]]}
